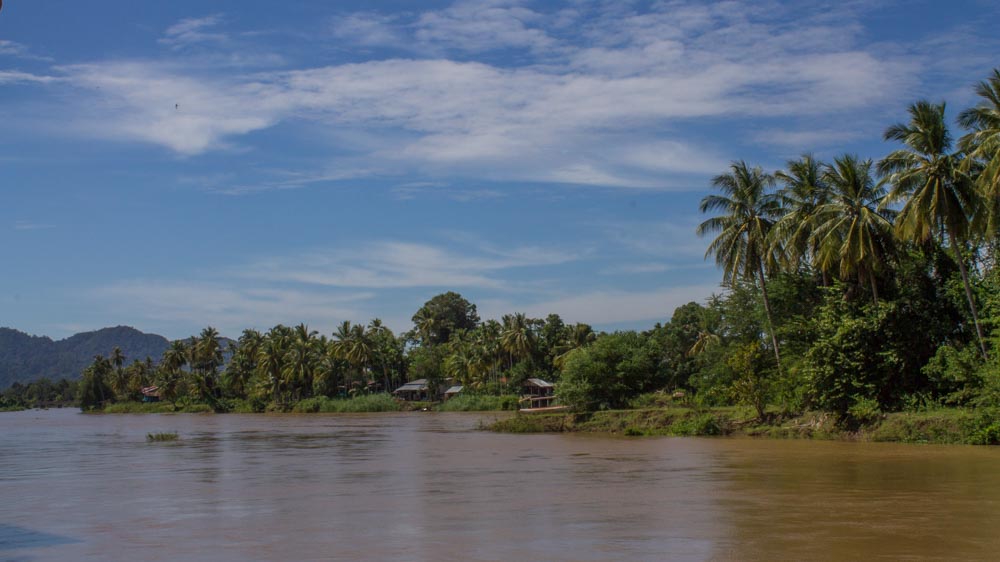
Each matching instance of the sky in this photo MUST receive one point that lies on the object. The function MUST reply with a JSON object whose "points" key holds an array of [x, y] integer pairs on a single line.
{"points": [[173, 165]]}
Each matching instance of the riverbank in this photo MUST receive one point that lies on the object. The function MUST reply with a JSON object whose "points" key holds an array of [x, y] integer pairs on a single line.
{"points": [[373, 403], [942, 426]]}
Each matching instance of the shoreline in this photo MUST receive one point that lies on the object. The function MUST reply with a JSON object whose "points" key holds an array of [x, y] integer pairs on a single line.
{"points": [[945, 426]]}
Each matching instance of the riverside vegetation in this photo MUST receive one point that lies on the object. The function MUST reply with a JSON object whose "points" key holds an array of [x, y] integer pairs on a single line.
{"points": [[862, 298]]}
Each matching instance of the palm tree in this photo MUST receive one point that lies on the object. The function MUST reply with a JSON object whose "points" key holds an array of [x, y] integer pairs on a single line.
{"points": [[940, 199], [981, 145], [119, 382], [517, 339], [579, 336], [175, 356], [853, 230], [742, 246], [271, 362], [803, 192]]}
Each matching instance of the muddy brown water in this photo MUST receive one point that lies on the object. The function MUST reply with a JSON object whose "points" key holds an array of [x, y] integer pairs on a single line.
{"points": [[429, 486]]}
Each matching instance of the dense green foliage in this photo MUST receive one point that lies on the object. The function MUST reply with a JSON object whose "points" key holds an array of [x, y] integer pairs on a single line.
{"points": [[854, 288], [41, 393]]}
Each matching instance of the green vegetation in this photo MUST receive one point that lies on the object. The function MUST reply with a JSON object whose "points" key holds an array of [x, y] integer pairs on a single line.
{"points": [[478, 403], [862, 300], [153, 437], [41, 393], [371, 403]]}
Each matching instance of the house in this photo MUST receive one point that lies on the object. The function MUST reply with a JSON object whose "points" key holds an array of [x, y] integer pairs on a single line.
{"points": [[537, 393], [150, 394], [413, 390], [452, 392]]}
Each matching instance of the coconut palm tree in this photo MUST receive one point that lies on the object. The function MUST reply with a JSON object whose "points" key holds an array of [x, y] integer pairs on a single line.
{"points": [[981, 145], [802, 192], [517, 339], [742, 247], [119, 378], [853, 229], [939, 199]]}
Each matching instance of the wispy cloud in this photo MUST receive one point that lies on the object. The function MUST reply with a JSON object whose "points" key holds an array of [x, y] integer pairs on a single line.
{"points": [[17, 50], [193, 31], [395, 264], [170, 304], [597, 97], [15, 76]]}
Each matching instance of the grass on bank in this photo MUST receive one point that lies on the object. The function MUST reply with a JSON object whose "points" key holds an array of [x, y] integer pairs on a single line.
{"points": [[941, 426], [155, 408], [359, 404], [478, 403]]}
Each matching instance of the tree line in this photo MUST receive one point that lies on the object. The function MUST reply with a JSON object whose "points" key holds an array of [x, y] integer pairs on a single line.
{"points": [[854, 286]]}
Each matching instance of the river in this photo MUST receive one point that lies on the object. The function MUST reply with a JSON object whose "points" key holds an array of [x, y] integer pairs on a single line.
{"points": [[430, 486]]}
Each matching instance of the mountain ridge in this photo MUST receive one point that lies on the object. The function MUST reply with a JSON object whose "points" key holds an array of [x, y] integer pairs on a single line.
{"points": [[25, 357]]}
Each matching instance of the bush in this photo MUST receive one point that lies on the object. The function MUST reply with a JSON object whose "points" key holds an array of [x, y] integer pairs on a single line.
{"points": [[478, 403], [704, 424], [360, 404], [864, 411], [609, 372]]}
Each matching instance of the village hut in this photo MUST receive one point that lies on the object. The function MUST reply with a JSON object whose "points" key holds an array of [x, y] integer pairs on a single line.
{"points": [[413, 390], [537, 393]]}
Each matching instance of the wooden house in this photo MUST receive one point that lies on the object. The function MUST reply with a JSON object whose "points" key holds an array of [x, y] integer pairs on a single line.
{"points": [[413, 390], [537, 393]]}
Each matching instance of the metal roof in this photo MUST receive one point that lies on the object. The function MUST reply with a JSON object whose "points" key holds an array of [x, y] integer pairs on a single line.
{"points": [[540, 382], [454, 390], [419, 384]]}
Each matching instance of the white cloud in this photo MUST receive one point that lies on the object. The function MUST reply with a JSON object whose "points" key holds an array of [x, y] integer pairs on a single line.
{"points": [[393, 264], [602, 106], [169, 304], [805, 140], [11, 48], [14, 77], [479, 26], [368, 29], [192, 31]]}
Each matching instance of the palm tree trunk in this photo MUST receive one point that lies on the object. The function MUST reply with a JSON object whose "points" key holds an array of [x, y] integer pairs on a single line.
{"points": [[968, 295], [770, 321], [871, 278]]}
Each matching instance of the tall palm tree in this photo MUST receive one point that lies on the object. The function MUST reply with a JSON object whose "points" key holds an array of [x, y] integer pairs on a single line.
{"points": [[981, 145], [271, 362], [119, 380], [175, 356], [803, 191], [749, 212], [517, 338], [853, 231], [939, 198]]}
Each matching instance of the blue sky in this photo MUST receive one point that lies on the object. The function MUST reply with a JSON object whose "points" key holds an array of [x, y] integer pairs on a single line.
{"points": [[171, 165]]}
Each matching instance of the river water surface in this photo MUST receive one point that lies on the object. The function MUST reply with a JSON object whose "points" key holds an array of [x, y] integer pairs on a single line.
{"points": [[429, 486]]}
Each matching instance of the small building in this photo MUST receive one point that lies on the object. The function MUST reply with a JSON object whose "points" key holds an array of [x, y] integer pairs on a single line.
{"points": [[413, 390], [452, 392], [151, 394], [537, 393]]}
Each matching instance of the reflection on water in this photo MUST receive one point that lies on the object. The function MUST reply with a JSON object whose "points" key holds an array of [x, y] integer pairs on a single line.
{"points": [[425, 486]]}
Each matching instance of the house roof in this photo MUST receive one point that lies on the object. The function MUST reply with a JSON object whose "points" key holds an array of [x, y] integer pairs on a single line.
{"points": [[417, 385], [454, 390], [539, 382]]}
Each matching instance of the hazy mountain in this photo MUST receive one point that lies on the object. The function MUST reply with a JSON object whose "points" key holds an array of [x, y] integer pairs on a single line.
{"points": [[25, 358]]}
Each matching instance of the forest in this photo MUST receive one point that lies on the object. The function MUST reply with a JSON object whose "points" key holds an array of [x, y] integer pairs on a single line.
{"points": [[852, 286]]}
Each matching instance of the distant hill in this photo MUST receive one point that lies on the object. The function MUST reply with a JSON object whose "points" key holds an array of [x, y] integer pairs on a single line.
{"points": [[25, 358]]}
